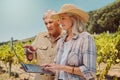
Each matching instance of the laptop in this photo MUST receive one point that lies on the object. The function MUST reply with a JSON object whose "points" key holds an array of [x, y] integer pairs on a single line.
{"points": [[31, 68]]}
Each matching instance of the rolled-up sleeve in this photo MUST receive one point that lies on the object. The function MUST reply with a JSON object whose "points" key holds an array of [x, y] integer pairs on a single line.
{"points": [[89, 58]]}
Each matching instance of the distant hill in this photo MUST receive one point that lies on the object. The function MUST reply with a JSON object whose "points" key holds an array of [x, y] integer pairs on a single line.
{"points": [[105, 19], [23, 40], [27, 39]]}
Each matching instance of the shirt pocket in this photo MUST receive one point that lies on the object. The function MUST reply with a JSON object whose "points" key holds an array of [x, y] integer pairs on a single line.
{"points": [[42, 54], [42, 50], [73, 58]]}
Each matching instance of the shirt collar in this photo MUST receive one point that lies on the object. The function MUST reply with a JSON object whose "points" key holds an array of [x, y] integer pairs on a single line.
{"points": [[48, 36], [75, 36]]}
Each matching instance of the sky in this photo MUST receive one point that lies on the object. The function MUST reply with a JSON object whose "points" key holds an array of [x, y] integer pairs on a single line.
{"points": [[22, 19]]}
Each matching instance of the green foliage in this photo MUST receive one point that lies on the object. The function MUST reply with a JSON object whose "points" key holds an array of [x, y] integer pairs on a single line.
{"points": [[7, 55], [105, 19], [108, 52]]}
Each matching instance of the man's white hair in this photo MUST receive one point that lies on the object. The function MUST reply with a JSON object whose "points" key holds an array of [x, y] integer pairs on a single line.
{"points": [[48, 13]]}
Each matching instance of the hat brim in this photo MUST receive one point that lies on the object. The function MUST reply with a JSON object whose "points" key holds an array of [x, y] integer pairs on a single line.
{"points": [[83, 16]]}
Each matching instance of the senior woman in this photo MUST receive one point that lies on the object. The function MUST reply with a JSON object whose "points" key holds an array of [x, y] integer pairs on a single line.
{"points": [[76, 51]]}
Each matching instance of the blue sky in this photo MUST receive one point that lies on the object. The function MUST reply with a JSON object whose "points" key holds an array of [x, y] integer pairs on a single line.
{"points": [[22, 19]]}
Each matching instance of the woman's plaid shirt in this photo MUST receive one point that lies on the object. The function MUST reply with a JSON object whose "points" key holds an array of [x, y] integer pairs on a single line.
{"points": [[82, 54]]}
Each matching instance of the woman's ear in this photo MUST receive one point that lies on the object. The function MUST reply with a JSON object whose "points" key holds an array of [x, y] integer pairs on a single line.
{"points": [[59, 23], [73, 19]]}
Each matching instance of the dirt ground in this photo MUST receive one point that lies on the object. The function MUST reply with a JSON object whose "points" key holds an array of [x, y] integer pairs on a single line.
{"points": [[22, 75], [17, 73], [114, 70]]}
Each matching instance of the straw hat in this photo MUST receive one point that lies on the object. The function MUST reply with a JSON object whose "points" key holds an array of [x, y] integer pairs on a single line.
{"points": [[69, 8]]}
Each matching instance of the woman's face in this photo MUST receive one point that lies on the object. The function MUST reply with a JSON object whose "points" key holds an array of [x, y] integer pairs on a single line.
{"points": [[66, 22]]}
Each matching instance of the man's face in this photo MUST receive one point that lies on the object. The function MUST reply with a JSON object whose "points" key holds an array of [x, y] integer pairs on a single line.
{"points": [[51, 25]]}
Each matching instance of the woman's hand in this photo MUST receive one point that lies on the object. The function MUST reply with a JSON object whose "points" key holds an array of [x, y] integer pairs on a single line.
{"points": [[51, 67]]}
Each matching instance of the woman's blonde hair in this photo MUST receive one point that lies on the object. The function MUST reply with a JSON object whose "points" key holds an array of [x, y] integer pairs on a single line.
{"points": [[78, 25]]}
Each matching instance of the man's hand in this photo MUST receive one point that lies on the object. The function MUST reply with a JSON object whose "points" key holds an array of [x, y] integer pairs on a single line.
{"points": [[29, 51], [31, 48]]}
